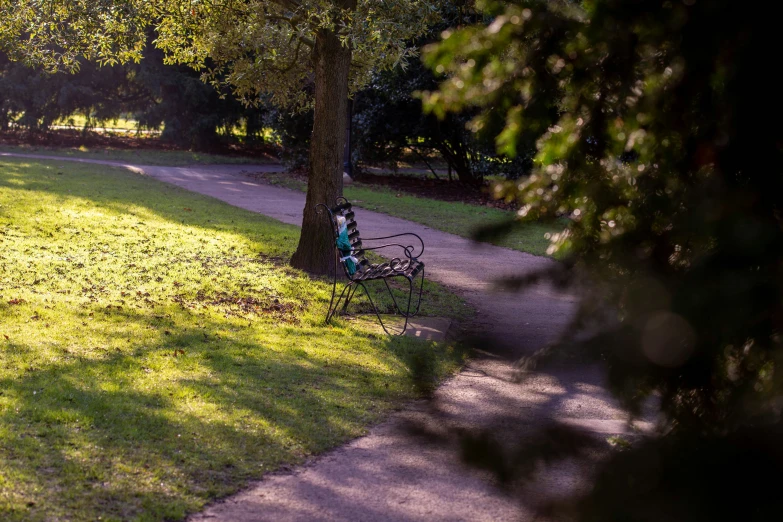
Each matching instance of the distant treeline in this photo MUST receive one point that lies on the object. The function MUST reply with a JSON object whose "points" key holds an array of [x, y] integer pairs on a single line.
{"points": [[190, 112], [388, 123]]}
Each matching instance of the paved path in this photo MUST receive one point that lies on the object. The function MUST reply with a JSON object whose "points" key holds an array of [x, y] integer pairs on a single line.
{"points": [[394, 473]]}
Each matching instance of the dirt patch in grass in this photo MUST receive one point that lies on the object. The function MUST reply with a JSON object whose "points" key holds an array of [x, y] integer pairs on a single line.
{"points": [[246, 306]]}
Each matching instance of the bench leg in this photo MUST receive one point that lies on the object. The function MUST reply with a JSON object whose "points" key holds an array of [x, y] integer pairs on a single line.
{"points": [[421, 292], [335, 305], [349, 291], [329, 311], [378, 315], [411, 289]]}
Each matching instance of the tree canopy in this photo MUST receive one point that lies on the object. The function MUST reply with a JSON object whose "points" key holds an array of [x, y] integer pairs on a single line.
{"points": [[253, 46], [655, 156], [664, 155], [191, 112]]}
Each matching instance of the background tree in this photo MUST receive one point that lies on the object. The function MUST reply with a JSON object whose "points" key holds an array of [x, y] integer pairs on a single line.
{"points": [[292, 129], [672, 190], [389, 121], [254, 46], [35, 99], [190, 111]]}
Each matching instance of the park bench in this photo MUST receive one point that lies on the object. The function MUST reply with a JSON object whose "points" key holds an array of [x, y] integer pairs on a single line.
{"points": [[350, 250]]}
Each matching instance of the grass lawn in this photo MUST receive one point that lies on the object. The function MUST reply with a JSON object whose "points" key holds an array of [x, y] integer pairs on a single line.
{"points": [[156, 352], [461, 219], [170, 158]]}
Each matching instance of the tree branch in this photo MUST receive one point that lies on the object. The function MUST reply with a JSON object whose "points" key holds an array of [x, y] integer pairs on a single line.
{"points": [[295, 59], [416, 150]]}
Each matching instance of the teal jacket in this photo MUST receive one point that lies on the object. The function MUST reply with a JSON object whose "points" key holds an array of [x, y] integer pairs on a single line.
{"points": [[344, 246]]}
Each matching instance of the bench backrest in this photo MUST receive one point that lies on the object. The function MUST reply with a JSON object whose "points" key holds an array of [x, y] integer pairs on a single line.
{"points": [[344, 208]]}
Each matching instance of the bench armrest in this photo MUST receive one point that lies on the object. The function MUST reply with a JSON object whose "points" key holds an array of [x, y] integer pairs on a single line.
{"points": [[410, 250]]}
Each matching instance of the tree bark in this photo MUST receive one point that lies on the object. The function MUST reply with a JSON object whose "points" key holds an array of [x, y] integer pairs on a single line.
{"points": [[332, 63]]}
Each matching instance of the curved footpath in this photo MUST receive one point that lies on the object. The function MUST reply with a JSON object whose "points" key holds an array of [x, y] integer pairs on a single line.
{"points": [[402, 470]]}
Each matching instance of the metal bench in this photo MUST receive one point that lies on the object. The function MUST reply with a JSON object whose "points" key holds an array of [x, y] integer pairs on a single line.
{"points": [[358, 269]]}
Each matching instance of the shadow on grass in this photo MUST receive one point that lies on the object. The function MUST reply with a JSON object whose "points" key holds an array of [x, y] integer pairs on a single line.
{"points": [[100, 434]]}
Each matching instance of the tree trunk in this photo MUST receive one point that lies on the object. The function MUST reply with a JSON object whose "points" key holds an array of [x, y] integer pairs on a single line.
{"points": [[332, 63]]}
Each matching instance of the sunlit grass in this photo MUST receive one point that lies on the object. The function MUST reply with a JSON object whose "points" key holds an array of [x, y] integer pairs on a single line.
{"points": [[157, 353], [136, 156], [461, 219]]}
